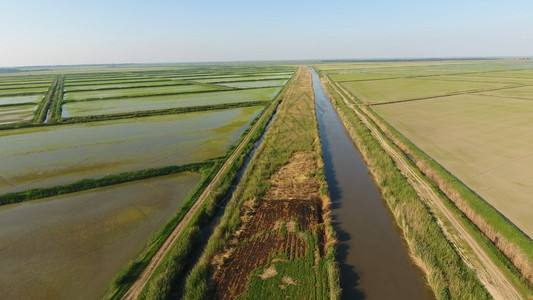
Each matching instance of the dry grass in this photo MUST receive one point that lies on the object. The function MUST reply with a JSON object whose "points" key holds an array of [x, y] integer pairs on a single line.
{"points": [[483, 142]]}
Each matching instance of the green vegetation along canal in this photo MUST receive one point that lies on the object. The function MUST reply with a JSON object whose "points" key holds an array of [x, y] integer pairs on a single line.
{"points": [[373, 258]]}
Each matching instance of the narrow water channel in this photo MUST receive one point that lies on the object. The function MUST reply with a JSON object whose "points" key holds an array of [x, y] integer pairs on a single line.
{"points": [[373, 258]]}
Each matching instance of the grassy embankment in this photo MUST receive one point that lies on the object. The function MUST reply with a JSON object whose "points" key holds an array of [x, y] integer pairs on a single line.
{"points": [[513, 243], [176, 262], [293, 130], [447, 274]]}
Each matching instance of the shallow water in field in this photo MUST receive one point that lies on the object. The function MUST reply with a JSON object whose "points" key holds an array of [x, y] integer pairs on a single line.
{"points": [[71, 246], [45, 156], [373, 258], [123, 105]]}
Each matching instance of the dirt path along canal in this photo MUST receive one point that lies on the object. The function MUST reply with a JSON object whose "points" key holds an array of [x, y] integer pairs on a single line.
{"points": [[373, 258]]}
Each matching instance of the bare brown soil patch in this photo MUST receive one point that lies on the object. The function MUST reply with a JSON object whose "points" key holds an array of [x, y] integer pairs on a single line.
{"points": [[292, 203], [294, 180]]}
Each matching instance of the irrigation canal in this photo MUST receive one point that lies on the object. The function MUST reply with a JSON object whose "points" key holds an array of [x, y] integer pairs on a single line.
{"points": [[373, 258]]}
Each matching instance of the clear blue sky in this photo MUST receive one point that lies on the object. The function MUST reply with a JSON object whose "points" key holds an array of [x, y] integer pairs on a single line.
{"points": [[44, 32]]}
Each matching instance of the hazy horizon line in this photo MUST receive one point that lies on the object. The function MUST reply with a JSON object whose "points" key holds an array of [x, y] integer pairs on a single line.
{"points": [[375, 59]]}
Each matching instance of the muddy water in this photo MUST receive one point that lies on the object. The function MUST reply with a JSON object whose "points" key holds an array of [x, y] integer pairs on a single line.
{"points": [[70, 247], [373, 257]]}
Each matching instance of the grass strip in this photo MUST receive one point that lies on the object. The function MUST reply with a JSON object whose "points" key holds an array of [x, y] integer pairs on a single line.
{"points": [[89, 183], [447, 274]]}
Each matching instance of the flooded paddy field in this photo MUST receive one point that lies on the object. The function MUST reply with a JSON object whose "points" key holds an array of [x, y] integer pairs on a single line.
{"points": [[113, 106], [243, 78], [373, 258], [71, 246], [15, 114], [388, 90], [45, 156], [154, 90], [23, 91], [479, 133]]}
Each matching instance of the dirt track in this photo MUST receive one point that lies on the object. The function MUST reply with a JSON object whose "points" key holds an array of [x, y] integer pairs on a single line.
{"points": [[487, 271], [134, 291]]}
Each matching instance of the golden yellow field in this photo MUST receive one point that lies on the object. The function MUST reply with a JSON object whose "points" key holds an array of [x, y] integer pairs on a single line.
{"points": [[474, 118]]}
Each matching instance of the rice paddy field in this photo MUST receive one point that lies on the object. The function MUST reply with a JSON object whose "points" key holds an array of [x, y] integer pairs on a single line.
{"points": [[65, 125], [472, 117]]}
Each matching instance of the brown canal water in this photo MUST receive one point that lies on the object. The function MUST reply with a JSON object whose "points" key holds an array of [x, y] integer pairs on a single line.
{"points": [[373, 258], [71, 246]]}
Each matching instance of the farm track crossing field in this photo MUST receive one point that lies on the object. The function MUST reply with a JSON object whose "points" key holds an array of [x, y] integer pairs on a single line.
{"points": [[113, 106], [71, 246], [45, 156]]}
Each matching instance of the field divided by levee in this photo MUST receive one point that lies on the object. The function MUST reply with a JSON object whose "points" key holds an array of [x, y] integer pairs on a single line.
{"points": [[464, 125], [134, 170], [275, 237]]}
